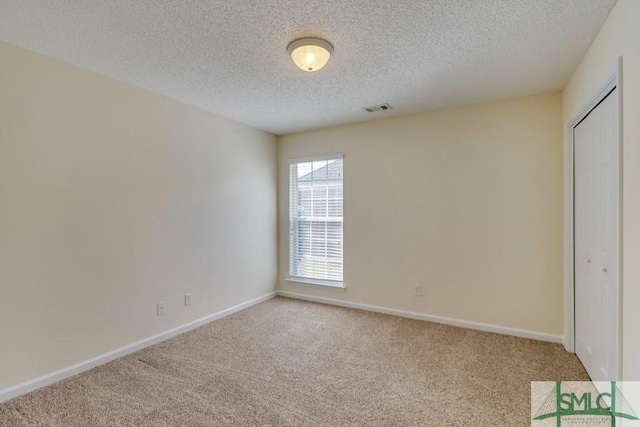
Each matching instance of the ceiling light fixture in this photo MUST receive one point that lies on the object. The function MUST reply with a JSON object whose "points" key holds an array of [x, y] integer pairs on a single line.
{"points": [[310, 53]]}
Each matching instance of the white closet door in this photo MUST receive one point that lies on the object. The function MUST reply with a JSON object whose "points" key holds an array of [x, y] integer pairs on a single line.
{"points": [[596, 224]]}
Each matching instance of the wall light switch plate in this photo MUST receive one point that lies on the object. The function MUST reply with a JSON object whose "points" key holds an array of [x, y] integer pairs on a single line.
{"points": [[187, 300], [160, 308]]}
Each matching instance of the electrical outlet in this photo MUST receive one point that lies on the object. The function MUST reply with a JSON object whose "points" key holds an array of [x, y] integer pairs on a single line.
{"points": [[187, 300], [160, 308], [417, 291]]}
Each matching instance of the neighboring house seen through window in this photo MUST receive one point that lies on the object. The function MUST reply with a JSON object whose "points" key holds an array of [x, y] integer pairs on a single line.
{"points": [[315, 220]]}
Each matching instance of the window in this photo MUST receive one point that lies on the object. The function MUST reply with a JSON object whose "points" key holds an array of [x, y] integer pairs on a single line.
{"points": [[315, 220]]}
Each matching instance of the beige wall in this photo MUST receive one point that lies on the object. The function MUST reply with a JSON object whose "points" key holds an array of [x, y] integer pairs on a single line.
{"points": [[620, 36], [112, 199], [466, 203]]}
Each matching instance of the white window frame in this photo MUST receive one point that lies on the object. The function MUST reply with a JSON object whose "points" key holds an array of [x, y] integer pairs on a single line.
{"points": [[307, 280]]}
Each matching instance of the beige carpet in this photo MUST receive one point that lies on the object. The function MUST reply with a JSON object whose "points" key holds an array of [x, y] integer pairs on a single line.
{"points": [[294, 363]]}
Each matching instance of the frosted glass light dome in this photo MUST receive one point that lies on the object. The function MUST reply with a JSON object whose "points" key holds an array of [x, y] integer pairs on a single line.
{"points": [[310, 54]]}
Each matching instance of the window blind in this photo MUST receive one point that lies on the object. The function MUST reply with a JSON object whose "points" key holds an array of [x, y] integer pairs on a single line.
{"points": [[316, 219]]}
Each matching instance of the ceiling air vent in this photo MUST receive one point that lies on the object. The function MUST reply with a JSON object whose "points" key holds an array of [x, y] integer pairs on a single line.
{"points": [[382, 107]]}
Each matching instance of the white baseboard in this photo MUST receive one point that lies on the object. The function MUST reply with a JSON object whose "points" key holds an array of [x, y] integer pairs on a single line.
{"points": [[523, 333], [26, 387], [567, 345]]}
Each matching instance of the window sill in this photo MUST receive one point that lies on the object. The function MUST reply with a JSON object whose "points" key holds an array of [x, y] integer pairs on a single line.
{"points": [[327, 284]]}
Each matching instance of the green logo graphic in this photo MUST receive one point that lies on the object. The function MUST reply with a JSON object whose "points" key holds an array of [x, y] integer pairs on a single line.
{"points": [[558, 405]]}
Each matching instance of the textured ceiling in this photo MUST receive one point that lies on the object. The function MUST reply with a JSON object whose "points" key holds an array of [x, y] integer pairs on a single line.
{"points": [[229, 56]]}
